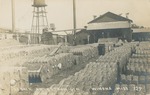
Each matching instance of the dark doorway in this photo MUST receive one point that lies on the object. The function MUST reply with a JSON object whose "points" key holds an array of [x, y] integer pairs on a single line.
{"points": [[34, 79], [101, 49]]}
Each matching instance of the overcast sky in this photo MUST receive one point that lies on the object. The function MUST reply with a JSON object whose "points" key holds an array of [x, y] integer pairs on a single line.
{"points": [[60, 12]]}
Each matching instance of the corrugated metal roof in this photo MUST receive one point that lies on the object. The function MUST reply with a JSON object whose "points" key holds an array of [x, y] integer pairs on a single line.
{"points": [[109, 17]]}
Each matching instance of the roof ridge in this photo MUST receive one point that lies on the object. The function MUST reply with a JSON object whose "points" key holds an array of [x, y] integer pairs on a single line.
{"points": [[111, 15]]}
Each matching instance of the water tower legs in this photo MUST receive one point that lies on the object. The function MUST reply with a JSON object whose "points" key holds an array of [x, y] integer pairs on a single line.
{"points": [[39, 22]]}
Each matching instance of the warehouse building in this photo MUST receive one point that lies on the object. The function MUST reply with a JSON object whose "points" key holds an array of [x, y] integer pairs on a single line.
{"points": [[110, 25], [141, 34]]}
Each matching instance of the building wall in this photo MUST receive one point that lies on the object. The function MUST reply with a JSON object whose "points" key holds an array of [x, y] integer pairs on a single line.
{"points": [[51, 39], [111, 33], [81, 38], [70, 38], [47, 38], [109, 25], [144, 36]]}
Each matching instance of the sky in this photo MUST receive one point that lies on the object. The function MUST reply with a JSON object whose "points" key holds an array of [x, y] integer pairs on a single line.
{"points": [[60, 12]]}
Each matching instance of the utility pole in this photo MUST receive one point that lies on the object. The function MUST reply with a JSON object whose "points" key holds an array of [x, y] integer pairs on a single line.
{"points": [[13, 15], [74, 22]]}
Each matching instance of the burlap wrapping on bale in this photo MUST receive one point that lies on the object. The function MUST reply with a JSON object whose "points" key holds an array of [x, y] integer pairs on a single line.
{"points": [[147, 88], [51, 65], [24, 51], [18, 75], [87, 52], [100, 73]]}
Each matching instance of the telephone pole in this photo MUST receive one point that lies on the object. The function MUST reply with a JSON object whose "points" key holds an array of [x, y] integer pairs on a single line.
{"points": [[13, 15], [74, 22]]}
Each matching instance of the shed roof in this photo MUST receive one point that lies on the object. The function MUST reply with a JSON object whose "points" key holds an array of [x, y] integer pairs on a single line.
{"points": [[82, 31], [141, 30]]}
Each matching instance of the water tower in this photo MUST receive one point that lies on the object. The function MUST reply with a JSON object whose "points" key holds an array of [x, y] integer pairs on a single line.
{"points": [[39, 20]]}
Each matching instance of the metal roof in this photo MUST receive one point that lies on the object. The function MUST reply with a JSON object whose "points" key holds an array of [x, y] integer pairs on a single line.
{"points": [[109, 17], [141, 30]]}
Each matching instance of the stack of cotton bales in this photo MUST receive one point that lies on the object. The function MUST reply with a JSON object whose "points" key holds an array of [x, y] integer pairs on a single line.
{"points": [[84, 53], [23, 51], [140, 66], [47, 66], [96, 78], [13, 79], [109, 46], [94, 75], [138, 79], [129, 79], [147, 88], [143, 51], [114, 40], [120, 55]]}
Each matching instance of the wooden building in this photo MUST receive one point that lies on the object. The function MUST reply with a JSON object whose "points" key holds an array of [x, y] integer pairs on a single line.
{"points": [[110, 25], [141, 34], [82, 37]]}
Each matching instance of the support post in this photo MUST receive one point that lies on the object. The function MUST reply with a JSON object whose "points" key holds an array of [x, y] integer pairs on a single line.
{"points": [[13, 15], [74, 21]]}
